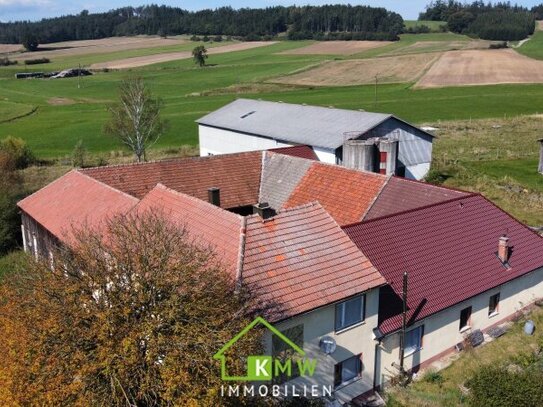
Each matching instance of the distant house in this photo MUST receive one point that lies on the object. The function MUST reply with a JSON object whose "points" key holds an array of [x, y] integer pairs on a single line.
{"points": [[328, 246], [356, 139]]}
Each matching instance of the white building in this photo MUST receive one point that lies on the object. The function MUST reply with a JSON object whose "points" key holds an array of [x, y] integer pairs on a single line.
{"points": [[249, 125]]}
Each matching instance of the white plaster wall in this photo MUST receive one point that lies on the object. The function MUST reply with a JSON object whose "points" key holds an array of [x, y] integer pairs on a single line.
{"points": [[325, 155], [441, 331], [218, 141], [352, 341]]}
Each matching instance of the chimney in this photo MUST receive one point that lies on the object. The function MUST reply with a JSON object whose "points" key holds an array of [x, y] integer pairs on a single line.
{"points": [[264, 210], [214, 196], [503, 249]]}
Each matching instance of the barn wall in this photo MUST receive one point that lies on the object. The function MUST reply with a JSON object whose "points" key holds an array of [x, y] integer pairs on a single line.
{"points": [[441, 331], [350, 342], [37, 240], [220, 141], [415, 149]]}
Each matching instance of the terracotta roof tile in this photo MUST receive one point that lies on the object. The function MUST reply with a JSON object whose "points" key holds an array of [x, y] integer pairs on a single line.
{"points": [[345, 193], [208, 225], [75, 200], [449, 252], [302, 260], [237, 175], [297, 151], [400, 194]]}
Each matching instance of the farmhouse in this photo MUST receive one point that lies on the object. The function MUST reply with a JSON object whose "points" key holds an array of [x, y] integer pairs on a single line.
{"points": [[356, 139], [328, 246]]}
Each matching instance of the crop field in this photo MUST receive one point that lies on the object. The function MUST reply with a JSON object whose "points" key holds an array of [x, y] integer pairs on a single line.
{"points": [[463, 68], [399, 69], [337, 47]]}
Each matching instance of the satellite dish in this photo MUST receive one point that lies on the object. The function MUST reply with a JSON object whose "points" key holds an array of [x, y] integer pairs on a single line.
{"points": [[327, 345]]}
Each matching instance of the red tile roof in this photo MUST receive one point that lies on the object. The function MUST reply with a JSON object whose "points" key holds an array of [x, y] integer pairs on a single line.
{"points": [[449, 252], [237, 175], [297, 151], [303, 260], [75, 200], [345, 193], [401, 194], [207, 225]]}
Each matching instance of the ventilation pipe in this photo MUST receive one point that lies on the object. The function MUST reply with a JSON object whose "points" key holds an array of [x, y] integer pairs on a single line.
{"points": [[214, 196]]}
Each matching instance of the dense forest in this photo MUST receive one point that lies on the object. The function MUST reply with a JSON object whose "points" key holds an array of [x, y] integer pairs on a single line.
{"points": [[498, 21], [300, 22]]}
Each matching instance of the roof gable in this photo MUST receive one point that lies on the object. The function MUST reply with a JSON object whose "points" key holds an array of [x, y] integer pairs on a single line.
{"points": [[449, 252], [75, 200], [345, 193]]}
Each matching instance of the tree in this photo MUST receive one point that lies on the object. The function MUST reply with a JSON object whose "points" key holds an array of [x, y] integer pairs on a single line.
{"points": [[132, 319], [135, 119], [30, 42], [11, 192], [199, 55]]}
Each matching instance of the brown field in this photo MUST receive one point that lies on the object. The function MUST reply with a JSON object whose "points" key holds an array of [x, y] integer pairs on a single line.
{"points": [[337, 47], [173, 56], [103, 46], [462, 68], [405, 68], [421, 47]]}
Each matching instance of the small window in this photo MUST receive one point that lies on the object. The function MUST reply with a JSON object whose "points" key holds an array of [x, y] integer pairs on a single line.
{"points": [[494, 304], [350, 312], [465, 317], [348, 370], [413, 340]]}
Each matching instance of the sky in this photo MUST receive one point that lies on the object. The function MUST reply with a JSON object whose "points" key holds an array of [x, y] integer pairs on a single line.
{"points": [[11, 10]]}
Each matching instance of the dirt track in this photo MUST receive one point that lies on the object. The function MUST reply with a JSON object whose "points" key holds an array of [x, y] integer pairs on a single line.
{"points": [[336, 47], [103, 46], [406, 68], [461, 68], [173, 56]]}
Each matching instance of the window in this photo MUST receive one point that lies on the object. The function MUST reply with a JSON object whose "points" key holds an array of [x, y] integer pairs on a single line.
{"points": [[413, 340], [350, 312], [282, 351], [494, 304], [465, 316], [348, 370]]}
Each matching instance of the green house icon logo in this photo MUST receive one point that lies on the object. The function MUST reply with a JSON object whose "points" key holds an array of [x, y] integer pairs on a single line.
{"points": [[263, 368]]}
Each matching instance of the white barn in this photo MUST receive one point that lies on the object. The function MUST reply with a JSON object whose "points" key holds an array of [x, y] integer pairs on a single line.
{"points": [[248, 125]]}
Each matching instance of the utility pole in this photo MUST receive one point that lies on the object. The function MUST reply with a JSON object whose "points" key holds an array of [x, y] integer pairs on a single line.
{"points": [[404, 322]]}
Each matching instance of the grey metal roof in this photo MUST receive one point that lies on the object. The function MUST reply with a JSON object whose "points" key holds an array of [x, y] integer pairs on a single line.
{"points": [[280, 175], [312, 125]]}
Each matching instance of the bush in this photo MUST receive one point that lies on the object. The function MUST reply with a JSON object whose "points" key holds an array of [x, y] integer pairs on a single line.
{"points": [[432, 376], [195, 38], [498, 45], [37, 61], [79, 154], [5, 61], [205, 39], [217, 38], [17, 151], [495, 386], [30, 42]]}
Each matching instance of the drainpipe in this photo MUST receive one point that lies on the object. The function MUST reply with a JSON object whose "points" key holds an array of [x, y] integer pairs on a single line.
{"points": [[404, 322]]}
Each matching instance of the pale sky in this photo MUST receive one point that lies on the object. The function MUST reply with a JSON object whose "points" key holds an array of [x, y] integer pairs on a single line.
{"points": [[11, 10]]}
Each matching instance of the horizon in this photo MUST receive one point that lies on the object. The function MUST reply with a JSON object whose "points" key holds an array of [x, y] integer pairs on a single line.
{"points": [[34, 10]]}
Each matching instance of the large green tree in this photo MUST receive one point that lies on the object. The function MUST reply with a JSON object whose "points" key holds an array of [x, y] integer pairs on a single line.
{"points": [[199, 54]]}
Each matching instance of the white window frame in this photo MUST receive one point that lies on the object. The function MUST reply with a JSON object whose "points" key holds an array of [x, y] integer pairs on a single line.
{"points": [[341, 327], [409, 350]]}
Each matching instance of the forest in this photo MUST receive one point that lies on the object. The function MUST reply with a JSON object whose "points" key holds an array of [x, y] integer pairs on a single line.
{"points": [[489, 21], [253, 24]]}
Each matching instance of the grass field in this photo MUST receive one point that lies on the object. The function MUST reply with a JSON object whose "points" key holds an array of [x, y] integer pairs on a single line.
{"points": [[432, 25]]}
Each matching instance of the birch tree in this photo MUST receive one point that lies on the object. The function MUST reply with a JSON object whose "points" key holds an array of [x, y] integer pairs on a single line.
{"points": [[135, 118]]}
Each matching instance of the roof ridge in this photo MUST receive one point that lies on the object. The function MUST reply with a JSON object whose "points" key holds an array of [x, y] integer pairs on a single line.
{"points": [[166, 160], [376, 197], [192, 198], [107, 186], [472, 195], [416, 181]]}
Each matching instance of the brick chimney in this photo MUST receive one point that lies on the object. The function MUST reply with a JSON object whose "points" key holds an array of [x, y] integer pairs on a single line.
{"points": [[214, 196], [264, 210], [503, 249]]}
